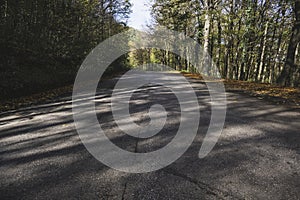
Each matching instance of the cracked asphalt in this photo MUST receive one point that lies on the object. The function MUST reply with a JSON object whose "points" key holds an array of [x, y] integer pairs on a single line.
{"points": [[257, 156]]}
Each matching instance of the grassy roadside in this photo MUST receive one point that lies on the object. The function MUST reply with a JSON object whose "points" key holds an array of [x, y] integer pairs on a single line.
{"points": [[273, 93]]}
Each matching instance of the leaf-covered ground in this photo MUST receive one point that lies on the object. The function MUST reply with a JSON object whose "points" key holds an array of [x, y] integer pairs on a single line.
{"points": [[35, 99], [277, 94], [43, 97]]}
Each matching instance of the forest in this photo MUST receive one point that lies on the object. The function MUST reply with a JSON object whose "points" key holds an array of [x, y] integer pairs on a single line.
{"points": [[43, 43], [248, 40]]}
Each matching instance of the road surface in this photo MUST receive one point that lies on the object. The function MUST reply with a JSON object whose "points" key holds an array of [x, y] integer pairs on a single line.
{"points": [[257, 156]]}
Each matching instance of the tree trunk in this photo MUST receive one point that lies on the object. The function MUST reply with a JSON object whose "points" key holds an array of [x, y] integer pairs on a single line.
{"points": [[263, 55], [285, 78], [219, 44], [206, 60]]}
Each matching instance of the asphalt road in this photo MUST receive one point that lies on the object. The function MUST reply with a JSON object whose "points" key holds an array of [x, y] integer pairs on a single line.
{"points": [[257, 156]]}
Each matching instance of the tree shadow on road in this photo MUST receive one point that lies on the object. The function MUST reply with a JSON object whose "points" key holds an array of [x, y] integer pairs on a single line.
{"points": [[257, 155]]}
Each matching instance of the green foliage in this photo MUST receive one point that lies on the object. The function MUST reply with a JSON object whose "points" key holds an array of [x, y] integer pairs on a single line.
{"points": [[247, 40], [54, 34]]}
